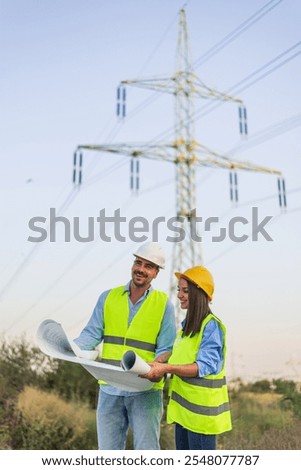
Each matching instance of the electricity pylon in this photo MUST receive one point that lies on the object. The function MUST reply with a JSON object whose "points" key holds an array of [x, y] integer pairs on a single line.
{"points": [[184, 151]]}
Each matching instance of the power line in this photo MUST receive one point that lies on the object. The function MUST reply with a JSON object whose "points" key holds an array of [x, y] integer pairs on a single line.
{"points": [[268, 133], [185, 152], [237, 32], [237, 245], [212, 51], [32, 252], [119, 257], [216, 48], [92, 280], [108, 172], [159, 43], [203, 111], [70, 266], [268, 72]]}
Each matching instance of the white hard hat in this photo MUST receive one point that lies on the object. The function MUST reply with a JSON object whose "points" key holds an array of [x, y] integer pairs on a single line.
{"points": [[152, 251]]}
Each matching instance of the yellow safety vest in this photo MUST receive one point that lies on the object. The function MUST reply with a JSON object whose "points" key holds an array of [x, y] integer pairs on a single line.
{"points": [[198, 404], [141, 335]]}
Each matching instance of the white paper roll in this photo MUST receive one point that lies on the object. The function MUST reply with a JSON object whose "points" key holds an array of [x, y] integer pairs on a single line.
{"points": [[53, 341], [132, 362], [83, 353]]}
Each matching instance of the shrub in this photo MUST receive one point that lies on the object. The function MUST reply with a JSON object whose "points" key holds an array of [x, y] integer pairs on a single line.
{"points": [[261, 386], [48, 422], [285, 387], [20, 365]]}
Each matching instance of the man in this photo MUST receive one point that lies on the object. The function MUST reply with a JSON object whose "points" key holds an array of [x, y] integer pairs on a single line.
{"points": [[140, 318]]}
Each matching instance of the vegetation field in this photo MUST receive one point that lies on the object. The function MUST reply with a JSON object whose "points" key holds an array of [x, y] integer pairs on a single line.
{"points": [[50, 404]]}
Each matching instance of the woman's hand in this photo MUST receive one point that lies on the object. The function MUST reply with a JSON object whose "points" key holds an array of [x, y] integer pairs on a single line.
{"points": [[157, 371]]}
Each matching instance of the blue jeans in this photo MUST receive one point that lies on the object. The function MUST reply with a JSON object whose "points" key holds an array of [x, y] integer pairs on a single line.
{"points": [[188, 440], [141, 412]]}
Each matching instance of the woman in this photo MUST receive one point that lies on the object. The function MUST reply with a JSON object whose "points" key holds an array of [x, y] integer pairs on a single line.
{"points": [[199, 403]]}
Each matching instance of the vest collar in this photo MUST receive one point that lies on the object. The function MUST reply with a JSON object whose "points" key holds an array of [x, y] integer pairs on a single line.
{"points": [[127, 289]]}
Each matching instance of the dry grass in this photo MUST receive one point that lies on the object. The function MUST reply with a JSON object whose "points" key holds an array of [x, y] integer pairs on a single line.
{"points": [[263, 399], [36, 405], [259, 422], [51, 423]]}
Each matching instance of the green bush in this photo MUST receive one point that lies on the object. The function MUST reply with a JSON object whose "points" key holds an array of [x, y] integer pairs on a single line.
{"points": [[261, 386], [71, 382], [284, 387], [292, 402], [20, 365]]}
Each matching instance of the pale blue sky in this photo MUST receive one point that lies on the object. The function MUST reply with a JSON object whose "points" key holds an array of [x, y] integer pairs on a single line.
{"points": [[61, 64]]}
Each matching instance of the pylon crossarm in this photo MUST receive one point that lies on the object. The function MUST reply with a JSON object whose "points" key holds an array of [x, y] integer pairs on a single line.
{"points": [[213, 158], [163, 151], [202, 90], [173, 84], [202, 155], [164, 85], [212, 161]]}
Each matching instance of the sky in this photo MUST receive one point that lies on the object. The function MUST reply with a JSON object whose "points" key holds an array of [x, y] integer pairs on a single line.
{"points": [[62, 62]]}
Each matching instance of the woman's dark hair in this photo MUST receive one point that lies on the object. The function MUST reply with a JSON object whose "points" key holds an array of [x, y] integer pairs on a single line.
{"points": [[197, 311]]}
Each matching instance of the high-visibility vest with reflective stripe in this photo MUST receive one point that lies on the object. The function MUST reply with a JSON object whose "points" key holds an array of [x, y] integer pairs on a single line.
{"points": [[141, 335], [198, 404]]}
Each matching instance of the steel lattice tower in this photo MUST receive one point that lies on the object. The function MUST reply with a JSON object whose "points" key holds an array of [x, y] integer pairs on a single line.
{"points": [[185, 152]]}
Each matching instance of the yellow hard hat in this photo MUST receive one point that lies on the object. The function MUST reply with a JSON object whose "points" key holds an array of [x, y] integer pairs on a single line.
{"points": [[200, 276]]}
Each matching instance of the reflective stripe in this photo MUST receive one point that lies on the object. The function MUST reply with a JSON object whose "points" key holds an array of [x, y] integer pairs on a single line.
{"points": [[201, 382], [140, 344], [199, 409], [112, 362], [113, 339], [134, 343]]}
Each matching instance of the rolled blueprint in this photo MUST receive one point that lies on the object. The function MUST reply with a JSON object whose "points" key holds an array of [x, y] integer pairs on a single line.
{"points": [[83, 353], [53, 341], [132, 362]]}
